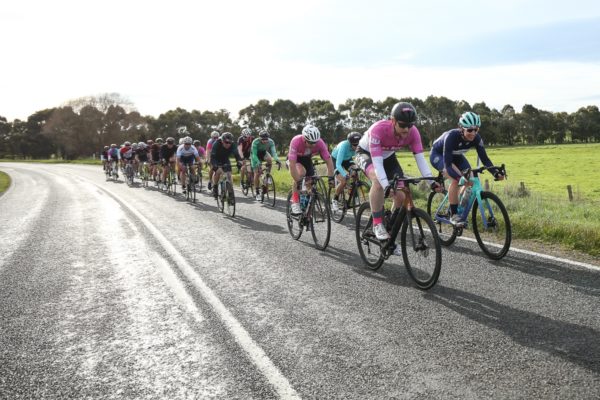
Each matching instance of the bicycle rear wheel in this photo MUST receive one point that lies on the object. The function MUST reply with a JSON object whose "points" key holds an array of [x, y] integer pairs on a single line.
{"points": [[294, 222], [494, 239], [421, 248], [229, 204], [320, 222], [445, 230], [268, 191], [369, 246]]}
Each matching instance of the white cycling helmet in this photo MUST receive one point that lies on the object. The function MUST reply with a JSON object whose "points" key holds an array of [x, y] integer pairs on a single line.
{"points": [[311, 133], [246, 132], [188, 140], [215, 134], [141, 145]]}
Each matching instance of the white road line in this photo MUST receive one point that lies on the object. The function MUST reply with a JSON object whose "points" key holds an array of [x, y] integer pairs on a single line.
{"points": [[540, 255], [242, 337]]}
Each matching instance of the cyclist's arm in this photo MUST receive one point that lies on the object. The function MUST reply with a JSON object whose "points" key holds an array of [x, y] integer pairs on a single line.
{"points": [[341, 154], [482, 153], [272, 150]]}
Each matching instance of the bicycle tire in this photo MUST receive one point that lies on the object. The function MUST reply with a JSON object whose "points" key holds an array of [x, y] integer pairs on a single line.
{"points": [[268, 190], [338, 216], [230, 197], [445, 231], [360, 196], [320, 215], [294, 222], [220, 197], [488, 243], [369, 247], [423, 269]]}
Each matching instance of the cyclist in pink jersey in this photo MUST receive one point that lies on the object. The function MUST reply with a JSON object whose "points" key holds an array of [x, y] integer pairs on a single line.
{"points": [[302, 148], [376, 155]]}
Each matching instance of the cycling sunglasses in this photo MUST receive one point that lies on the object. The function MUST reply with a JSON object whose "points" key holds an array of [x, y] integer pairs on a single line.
{"points": [[405, 124]]}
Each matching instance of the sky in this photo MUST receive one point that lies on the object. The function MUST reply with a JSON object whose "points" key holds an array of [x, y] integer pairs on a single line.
{"points": [[228, 54]]}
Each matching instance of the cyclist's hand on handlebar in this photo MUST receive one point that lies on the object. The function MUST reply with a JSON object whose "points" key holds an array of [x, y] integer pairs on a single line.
{"points": [[436, 187], [498, 177]]}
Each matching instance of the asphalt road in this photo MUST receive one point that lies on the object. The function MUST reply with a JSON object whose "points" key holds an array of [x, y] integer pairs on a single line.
{"points": [[108, 291]]}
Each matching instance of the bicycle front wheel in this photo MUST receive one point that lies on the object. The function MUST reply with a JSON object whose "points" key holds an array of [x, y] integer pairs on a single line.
{"points": [[320, 222], [338, 215], [268, 191], [491, 226], [360, 196], [294, 222], [421, 248], [369, 246], [229, 204], [438, 209]]}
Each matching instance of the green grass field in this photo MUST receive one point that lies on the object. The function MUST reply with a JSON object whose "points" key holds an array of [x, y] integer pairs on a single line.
{"points": [[4, 181]]}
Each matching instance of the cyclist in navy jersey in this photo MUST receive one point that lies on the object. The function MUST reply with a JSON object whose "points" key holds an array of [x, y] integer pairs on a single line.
{"points": [[222, 148], [448, 156]]}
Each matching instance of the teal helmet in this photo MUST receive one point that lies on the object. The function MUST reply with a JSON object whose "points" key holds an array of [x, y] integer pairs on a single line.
{"points": [[469, 120]]}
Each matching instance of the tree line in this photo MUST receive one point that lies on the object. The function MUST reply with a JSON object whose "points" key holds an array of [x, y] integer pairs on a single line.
{"points": [[83, 126]]}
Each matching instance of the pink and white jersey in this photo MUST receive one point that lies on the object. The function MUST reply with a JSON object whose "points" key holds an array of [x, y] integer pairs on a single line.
{"points": [[298, 148], [381, 141]]}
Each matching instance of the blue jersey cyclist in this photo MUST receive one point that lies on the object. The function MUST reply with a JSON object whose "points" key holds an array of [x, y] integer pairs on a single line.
{"points": [[342, 159], [448, 156]]}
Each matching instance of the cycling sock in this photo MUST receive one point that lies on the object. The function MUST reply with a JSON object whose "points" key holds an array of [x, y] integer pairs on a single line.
{"points": [[377, 217], [295, 198]]}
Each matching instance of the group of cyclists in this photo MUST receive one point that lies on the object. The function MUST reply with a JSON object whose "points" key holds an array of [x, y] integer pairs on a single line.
{"points": [[374, 151]]}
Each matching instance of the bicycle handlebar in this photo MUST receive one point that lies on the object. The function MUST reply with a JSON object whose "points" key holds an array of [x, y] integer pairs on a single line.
{"points": [[397, 178], [501, 171]]}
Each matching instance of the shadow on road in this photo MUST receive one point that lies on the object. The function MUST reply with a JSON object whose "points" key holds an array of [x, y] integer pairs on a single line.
{"points": [[575, 343]]}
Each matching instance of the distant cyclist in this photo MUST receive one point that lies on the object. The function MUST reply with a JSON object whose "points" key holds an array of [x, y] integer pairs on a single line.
{"points": [[244, 146], [342, 156], [201, 153], [302, 148], [214, 135], [376, 155], [263, 149], [448, 156], [186, 154], [167, 157], [114, 155], [221, 150]]}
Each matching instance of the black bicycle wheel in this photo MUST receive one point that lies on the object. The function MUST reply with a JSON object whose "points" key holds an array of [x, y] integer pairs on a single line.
{"points": [[268, 190], [369, 246], [320, 222], [494, 239], [129, 174], [338, 215], [421, 248], [192, 187], [230, 203], [221, 196], [294, 222], [445, 230], [359, 197]]}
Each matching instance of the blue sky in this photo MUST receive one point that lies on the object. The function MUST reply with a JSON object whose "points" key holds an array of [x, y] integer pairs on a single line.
{"points": [[229, 54]]}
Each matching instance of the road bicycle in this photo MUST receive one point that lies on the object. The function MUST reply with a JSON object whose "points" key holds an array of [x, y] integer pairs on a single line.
{"points": [[114, 170], [246, 181], [190, 179], [315, 214], [145, 174], [267, 185], [418, 239], [170, 185], [491, 224], [225, 194], [354, 194], [129, 174], [106, 169]]}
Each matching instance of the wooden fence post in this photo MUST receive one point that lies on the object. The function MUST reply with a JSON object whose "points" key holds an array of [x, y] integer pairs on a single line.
{"points": [[486, 185], [570, 190]]}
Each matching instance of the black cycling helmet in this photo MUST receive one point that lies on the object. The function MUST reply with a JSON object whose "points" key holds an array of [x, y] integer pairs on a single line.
{"points": [[170, 140], [354, 138], [404, 112], [227, 137], [264, 134], [196, 143]]}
